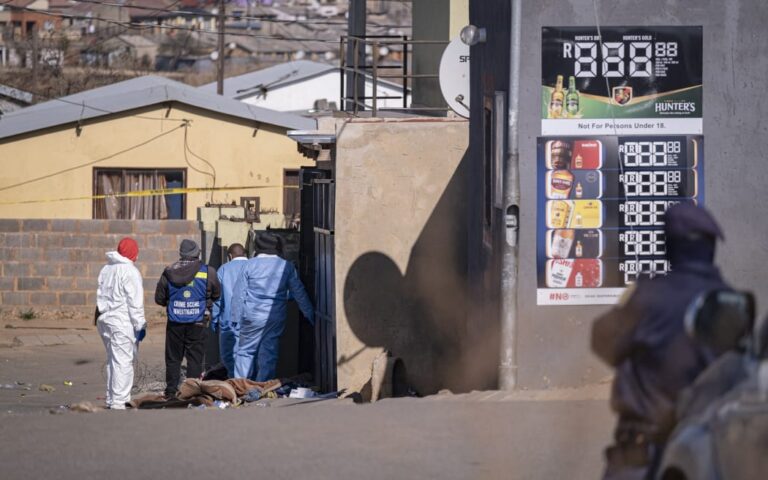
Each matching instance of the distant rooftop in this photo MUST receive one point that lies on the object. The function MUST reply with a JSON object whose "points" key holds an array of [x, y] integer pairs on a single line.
{"points": [[272, 77]]}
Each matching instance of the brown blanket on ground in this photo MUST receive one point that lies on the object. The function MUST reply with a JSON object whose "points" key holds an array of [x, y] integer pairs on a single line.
{"points": [[204, 392]]}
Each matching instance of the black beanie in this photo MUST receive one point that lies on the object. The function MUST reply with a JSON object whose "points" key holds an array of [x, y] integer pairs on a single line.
{"points": [[268, 244], [189, 249]]}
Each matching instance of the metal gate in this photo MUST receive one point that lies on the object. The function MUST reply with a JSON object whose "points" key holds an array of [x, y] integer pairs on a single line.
{"points": [[318, 347], [325, 308]]}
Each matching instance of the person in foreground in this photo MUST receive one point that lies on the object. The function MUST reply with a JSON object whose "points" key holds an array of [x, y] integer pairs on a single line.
{"points": [[188, 289], [644, 339], [222, 308], [120, 319], [259, 305]]}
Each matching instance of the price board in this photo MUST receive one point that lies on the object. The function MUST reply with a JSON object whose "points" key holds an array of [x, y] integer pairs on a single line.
{"points": [[601, 210], [621, 119], [625, 80]]}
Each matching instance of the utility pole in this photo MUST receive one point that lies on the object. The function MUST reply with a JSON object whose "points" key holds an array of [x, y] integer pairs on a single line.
{"points": [[355, 58], [510, 248], [35, 52], [220, 59]]}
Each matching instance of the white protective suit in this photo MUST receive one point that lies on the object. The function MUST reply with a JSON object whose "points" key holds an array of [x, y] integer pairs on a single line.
{"points": [[120, 299]]}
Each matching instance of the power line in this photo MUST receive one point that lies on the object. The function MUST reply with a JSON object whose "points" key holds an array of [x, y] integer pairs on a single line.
{"points": [[115, 35], [136, 26], [186, 159], [263, 18], [93, 162]]}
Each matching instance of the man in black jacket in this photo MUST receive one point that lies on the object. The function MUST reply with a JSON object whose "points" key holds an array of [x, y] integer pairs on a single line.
{"points": [[645, 340], [187, 289]]}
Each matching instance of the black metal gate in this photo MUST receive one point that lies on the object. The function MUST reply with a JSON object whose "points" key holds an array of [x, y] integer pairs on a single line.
{"points": [[317, 270]]}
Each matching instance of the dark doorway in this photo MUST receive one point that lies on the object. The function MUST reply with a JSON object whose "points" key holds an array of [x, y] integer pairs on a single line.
{"points": [[317, 272]]}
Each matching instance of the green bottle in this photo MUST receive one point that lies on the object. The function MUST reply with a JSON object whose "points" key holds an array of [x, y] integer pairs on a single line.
{"points": [[572, 98]]}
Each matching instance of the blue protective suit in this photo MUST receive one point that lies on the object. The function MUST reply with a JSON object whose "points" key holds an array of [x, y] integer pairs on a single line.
{"points": [[259, 305], [222, 312]]}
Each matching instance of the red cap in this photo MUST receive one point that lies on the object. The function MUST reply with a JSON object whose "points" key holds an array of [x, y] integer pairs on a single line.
{"points": [[128, 248]]}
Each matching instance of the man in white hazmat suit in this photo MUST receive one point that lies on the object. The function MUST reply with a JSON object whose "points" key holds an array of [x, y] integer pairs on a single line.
{"points": [[121, 324]]}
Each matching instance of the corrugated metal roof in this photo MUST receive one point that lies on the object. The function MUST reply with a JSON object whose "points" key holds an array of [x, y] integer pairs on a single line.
{"points": [[272, 77], [137, 40], [16, 94], [133, 94]]}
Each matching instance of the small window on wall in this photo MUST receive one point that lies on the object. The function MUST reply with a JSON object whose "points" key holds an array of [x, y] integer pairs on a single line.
{"points": [[110, 181], [291, 198]]}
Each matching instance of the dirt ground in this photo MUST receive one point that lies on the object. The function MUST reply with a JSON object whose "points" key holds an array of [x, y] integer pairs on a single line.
{"points": [[527, 435]]}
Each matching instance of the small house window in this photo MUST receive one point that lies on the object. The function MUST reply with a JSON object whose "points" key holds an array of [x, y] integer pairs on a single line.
{"points": [[291, 197], [115, 181]]}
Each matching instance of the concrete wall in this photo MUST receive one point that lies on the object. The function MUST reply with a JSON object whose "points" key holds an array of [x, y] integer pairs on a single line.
{"points": [[553, 342], [241, 155], [401, 249], [51, 266]]}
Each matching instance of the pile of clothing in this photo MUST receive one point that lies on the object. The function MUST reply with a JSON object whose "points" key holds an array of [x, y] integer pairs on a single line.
{"points": [[207, 393]]}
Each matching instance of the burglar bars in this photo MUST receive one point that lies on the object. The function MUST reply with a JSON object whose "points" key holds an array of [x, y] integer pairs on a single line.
{"points": [[376, 71]]}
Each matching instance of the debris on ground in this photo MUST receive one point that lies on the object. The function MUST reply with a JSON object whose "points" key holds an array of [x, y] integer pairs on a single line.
{"points": [[46, 388], [67, 383], [15, 386], [301, 392], [85, 407]]}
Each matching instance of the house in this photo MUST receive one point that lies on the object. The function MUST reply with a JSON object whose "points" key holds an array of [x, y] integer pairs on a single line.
{"points": [[297, 86], [20, 18], [12, 99], [165, 131], [66, 166], [121, 51], [25, 29]]}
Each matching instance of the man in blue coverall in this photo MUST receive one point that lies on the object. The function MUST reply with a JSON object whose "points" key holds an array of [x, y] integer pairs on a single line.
{"points": [[259, 306], [222, 309]]}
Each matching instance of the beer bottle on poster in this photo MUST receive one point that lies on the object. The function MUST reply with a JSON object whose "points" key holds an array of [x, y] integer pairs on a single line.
{"points": [[579, 190], [557, 99], [572, 98]]}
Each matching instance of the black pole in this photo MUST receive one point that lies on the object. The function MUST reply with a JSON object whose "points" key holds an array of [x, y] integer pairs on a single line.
{"points": [[220, 49], [355, 81]]}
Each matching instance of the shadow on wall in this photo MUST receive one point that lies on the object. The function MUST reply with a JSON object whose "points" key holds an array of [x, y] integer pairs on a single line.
{"points": [[421, 315]]}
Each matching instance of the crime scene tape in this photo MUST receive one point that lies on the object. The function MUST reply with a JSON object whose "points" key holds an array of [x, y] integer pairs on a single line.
{"points": [[150, 193]]}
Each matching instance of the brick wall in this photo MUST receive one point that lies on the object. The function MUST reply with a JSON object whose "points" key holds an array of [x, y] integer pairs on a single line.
{"points": [[51, 266]]}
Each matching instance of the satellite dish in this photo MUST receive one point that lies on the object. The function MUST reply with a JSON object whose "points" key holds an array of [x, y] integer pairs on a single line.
{"points": [[454, 76]]}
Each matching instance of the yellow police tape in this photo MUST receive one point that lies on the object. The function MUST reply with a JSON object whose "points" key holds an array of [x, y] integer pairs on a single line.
{"points": [[150, 193]]}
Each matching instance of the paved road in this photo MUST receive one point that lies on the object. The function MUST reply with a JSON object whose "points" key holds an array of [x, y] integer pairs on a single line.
{"points": [[392, 439]]}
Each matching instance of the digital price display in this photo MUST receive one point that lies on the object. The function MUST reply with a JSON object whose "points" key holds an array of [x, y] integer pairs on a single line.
{"points": [[633, 80], [646, 152], [601, 210], [621, 124]]}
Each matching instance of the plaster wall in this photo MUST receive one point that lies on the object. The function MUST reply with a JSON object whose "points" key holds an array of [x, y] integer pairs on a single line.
{"points": [[554, 341], [401, 249], [242, 153]]}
